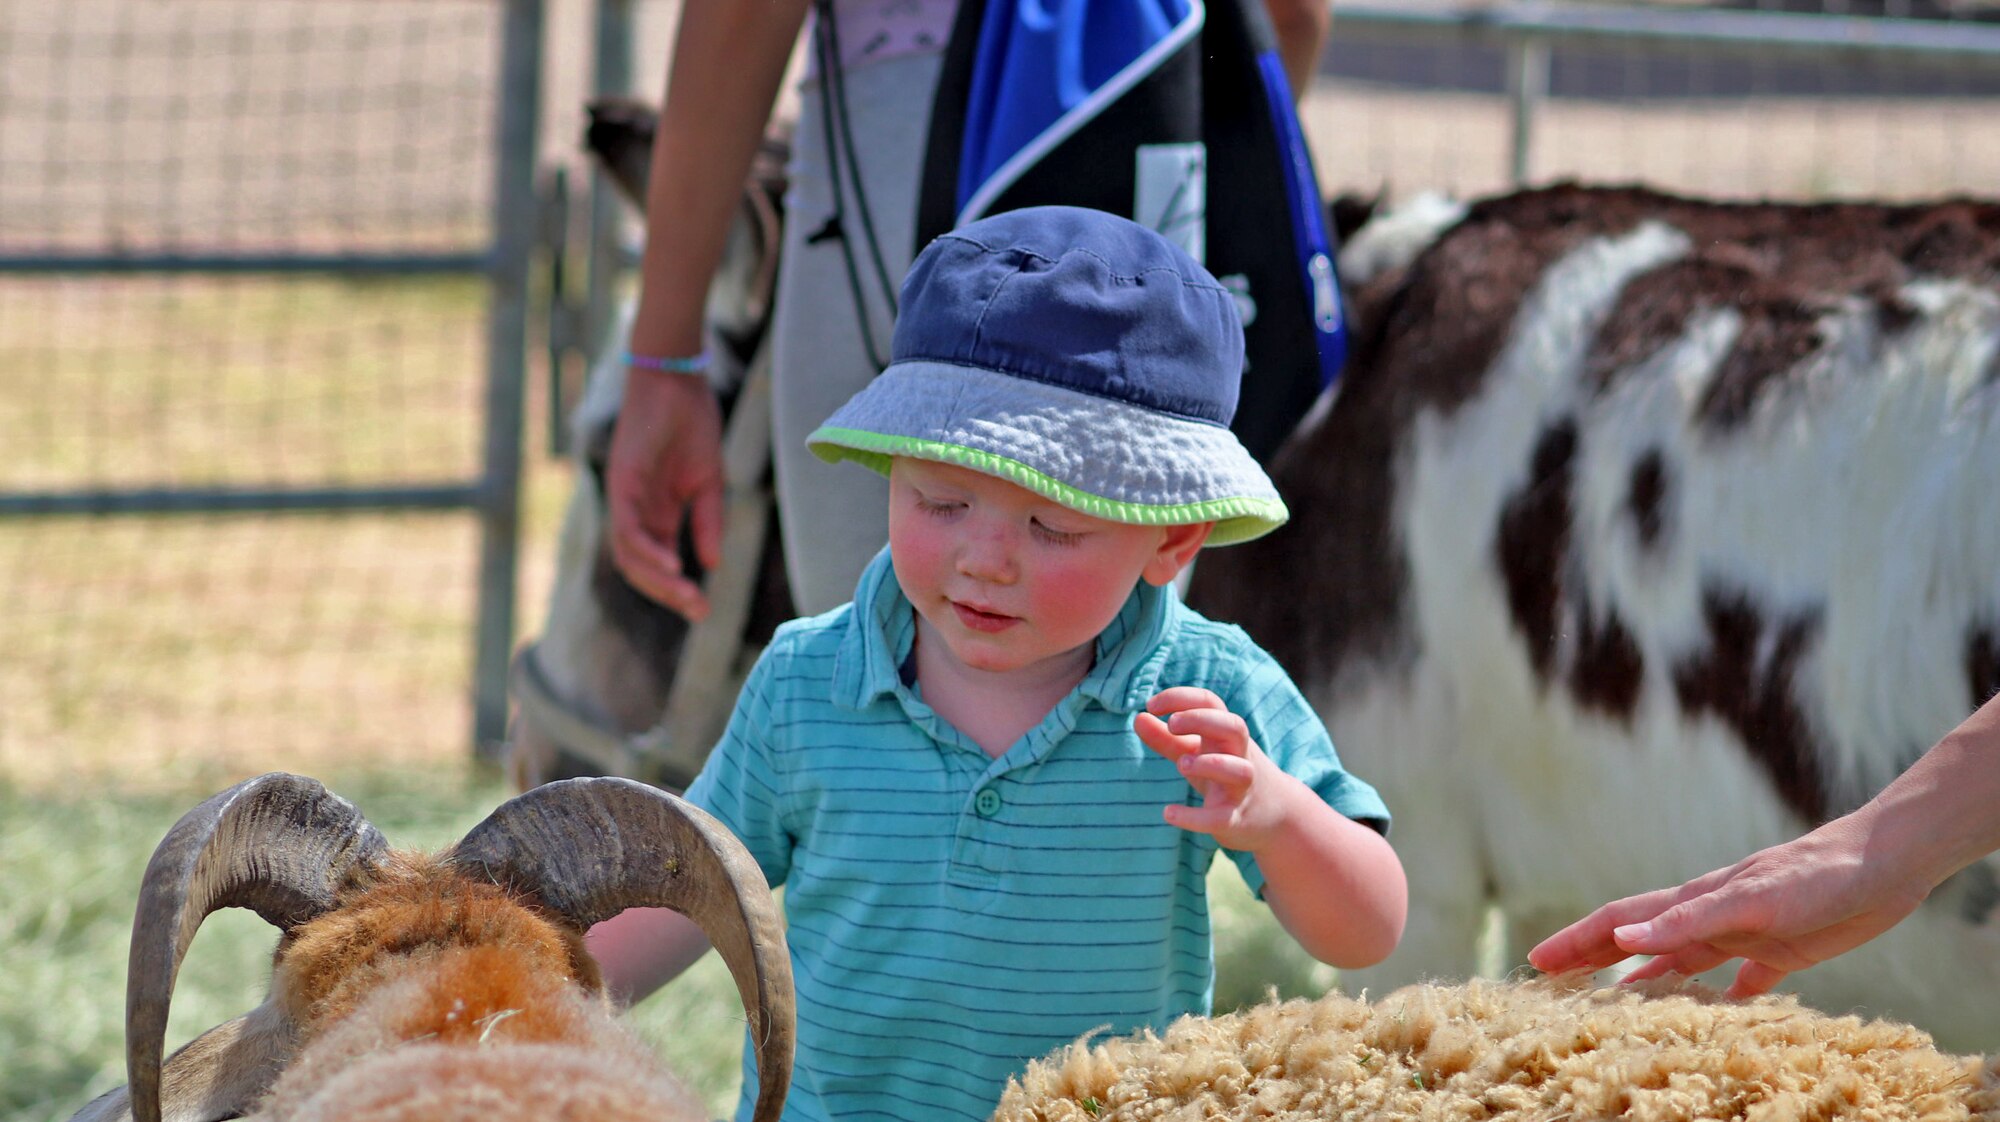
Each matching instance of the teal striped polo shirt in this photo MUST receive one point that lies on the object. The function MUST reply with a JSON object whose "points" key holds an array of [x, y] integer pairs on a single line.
{"points": [[952, 916]]}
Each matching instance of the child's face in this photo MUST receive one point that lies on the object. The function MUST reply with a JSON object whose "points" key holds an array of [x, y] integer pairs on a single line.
{"points": [[1009, 579]]}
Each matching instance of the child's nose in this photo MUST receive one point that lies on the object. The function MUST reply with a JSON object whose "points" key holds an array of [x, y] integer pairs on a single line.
{"points": [[988, 555]]}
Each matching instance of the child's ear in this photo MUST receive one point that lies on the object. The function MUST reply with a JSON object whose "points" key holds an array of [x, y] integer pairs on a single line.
{"points": [[1177, 550]]}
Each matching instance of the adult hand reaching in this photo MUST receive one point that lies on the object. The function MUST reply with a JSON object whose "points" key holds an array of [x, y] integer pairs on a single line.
{"points": [[1793, 905], [1781, 909], [666, 464]]}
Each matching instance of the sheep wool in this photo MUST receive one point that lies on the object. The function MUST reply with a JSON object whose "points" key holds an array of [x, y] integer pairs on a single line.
{"points": [[1486, 1051]]}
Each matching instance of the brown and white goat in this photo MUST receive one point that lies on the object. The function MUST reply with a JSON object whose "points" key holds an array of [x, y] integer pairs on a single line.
{"points": [[1641, 532], [453, 986], [1645, 532]]}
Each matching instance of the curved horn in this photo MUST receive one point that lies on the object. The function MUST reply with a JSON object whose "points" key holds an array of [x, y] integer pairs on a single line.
{"points": [[588, 849], [280, 845]]}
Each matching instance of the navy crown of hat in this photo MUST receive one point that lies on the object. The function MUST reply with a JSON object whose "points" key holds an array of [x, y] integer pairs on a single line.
{"points": [[1080, 299], [1076, 354]]}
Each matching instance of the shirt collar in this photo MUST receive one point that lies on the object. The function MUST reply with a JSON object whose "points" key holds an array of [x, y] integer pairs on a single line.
{"points": [[882, 628]]}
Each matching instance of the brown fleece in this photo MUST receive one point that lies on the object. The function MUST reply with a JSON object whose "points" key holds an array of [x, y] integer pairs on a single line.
{"points": [[431, 995], [416, 908]]}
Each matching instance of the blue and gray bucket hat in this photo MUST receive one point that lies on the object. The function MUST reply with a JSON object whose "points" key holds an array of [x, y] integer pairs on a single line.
{"points": [[1076, 354]]}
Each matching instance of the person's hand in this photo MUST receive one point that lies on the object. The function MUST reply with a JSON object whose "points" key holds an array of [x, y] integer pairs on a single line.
{"points": [[1781, 909], [666, 463], [1243, 801]]}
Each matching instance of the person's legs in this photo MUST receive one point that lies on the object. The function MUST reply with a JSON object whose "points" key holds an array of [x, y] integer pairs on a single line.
{"points": [[835, 516]]}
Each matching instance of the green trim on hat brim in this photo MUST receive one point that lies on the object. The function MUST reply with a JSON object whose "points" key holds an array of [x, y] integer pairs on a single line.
{"points": [[1238, 519]]}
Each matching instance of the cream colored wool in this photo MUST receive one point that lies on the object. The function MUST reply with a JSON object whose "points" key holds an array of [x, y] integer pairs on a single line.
{"points": [[1539, 1050], [366, 1066]]}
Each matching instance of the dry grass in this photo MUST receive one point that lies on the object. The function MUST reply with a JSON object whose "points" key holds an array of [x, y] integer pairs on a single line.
{"points": [[169, 651], [1365, 138]]}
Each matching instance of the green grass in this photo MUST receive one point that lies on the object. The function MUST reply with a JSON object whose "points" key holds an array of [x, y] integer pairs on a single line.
{"points": [[69, 872]]}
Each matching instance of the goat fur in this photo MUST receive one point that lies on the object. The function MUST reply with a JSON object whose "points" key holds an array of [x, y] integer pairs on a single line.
{"points": [[429, 995], [453, 985], [1511, 1052]]}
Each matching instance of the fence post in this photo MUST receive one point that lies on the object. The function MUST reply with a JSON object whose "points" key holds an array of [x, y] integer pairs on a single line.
{"points": [[512, 247], [1527, 85]]}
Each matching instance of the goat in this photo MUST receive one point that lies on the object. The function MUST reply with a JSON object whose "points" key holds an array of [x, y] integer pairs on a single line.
{"points": [[412, 986], [1640, 533], [1643, 533], [1509, 1052]]}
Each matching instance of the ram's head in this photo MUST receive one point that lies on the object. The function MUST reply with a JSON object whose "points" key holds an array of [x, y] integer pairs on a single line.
{"points": [[424, 986]]}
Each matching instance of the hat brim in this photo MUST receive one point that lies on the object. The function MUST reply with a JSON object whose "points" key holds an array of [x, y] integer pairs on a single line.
{"points": [[1106, 458]]}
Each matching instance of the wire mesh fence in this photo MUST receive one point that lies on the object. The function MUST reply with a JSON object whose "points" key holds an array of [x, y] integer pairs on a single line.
{"points": [[1406, 108], [242, 246], [361, 134]]}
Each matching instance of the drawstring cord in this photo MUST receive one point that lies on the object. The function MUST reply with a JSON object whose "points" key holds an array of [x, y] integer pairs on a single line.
{"points": [[839, 134]]}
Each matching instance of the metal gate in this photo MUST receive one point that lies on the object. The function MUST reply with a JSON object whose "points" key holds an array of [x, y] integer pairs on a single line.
{"points": [[264, 275]]}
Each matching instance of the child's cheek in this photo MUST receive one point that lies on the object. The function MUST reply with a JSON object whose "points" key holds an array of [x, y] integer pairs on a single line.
{"points": [[914, 547], [1082, 590]]}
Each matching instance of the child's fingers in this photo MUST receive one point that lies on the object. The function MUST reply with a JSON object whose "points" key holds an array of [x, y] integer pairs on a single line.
{"points": [[1177, 698], [1201, 819], [1219, 729], [1234, 774], [1154, 734]]}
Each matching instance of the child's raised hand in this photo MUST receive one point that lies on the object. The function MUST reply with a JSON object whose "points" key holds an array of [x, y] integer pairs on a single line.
{"points": [[1243, 801]]}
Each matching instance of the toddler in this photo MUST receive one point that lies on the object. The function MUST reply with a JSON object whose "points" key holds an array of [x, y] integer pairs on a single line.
{"points": [[993, 784]]}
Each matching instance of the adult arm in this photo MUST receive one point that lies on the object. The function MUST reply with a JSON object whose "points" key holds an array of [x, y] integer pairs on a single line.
{"points": [[1798, 904], [666, 451], [1301, 27]]}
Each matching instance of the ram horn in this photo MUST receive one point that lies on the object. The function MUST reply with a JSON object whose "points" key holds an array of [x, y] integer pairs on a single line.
{"points": [[280, 845], [587, 849]]}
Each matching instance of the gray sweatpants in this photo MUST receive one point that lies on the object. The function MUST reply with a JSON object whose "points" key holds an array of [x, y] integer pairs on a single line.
{"points": [[836, 516]]}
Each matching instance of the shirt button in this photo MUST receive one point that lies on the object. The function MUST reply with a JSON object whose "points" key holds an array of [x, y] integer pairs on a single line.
{"points": [[987, 803]]}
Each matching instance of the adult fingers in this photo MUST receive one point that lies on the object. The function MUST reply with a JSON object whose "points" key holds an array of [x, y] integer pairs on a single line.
{"points": [[1755, 978], [1704, 918], [650, 563], [1687, 962], [1647, 971], [705, 522], [1588, 943]]}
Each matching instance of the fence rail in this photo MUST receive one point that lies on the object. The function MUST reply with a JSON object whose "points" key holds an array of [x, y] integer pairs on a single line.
{"points": [[51, 108], [1530, 33]]}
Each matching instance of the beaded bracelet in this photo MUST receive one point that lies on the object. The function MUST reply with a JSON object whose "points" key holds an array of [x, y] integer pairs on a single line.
{"points": [[677, 364]]}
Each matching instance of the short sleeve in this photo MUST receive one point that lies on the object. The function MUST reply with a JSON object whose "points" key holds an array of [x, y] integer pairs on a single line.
{"points": [[740, 784], [1290, 732]]}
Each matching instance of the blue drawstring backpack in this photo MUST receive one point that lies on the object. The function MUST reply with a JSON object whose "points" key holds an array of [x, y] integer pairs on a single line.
{"points": [[1176, 114]]}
